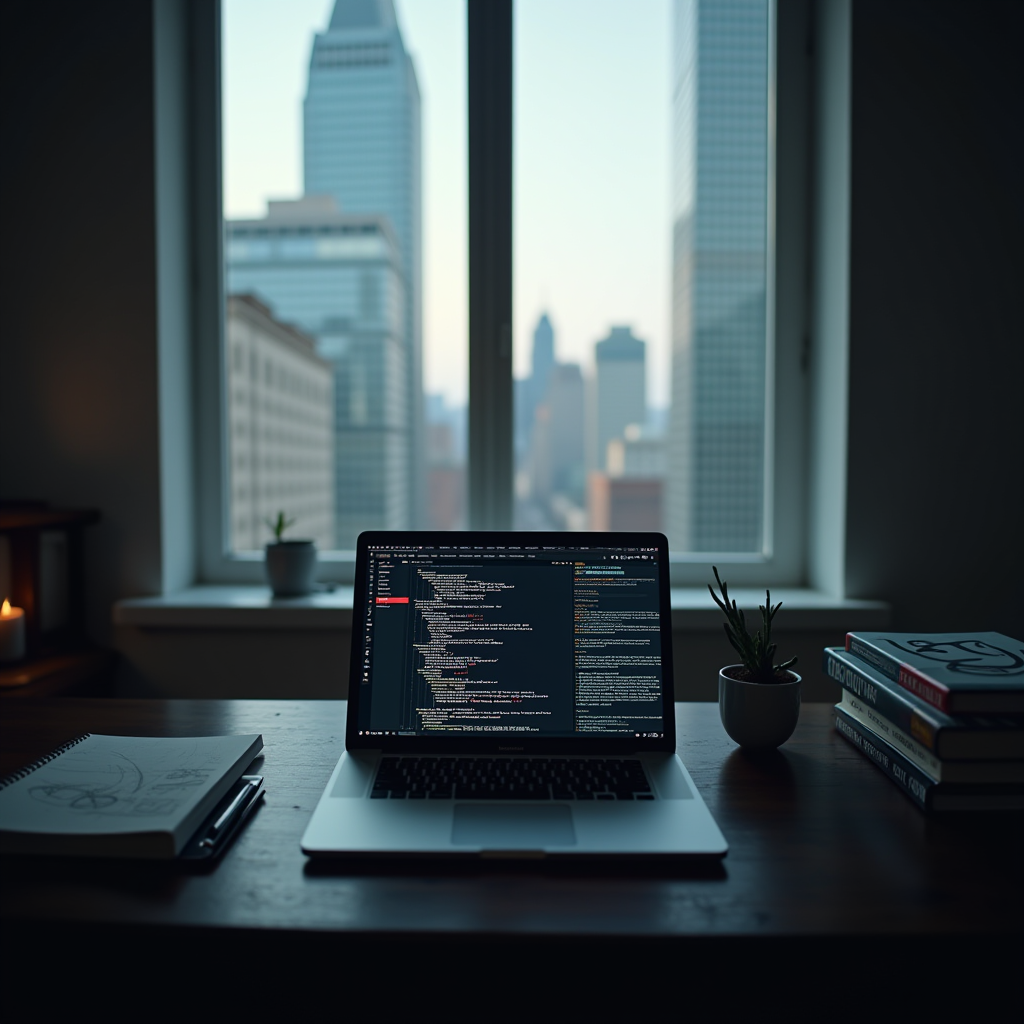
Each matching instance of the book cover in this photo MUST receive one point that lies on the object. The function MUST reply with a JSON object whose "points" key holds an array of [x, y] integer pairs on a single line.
{"points": [[952, 738], [970, 772], [120, 796], [928, 794], [959, 673]]}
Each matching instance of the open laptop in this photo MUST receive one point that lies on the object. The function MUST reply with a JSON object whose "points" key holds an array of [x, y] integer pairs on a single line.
{"points": [[510, 695]]}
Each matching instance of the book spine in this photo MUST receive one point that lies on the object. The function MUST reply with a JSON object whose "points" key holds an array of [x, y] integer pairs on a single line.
{"points": [[875, 658], [887, 704], [909, 678], [896, 738], [914, 782], [925, 688]]}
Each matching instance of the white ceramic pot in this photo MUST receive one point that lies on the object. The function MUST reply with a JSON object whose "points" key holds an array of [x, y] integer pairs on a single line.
{"points": [[291, 565], [758, 715]]}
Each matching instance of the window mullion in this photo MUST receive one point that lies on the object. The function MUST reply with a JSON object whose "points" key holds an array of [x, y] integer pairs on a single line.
{"points": [[489, 63]]}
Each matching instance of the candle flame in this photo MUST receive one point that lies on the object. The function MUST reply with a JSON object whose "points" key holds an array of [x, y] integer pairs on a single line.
{"points": [[5, 611]]}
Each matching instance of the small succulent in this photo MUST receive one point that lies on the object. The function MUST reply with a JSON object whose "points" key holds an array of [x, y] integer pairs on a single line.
{"points": [[756, 652], [278, 525]]}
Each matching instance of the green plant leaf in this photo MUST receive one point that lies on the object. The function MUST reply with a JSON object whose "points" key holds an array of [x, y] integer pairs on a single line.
{"points": [[757, 651]]}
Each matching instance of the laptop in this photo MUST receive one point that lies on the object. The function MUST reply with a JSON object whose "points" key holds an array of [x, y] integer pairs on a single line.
{"points": [[511, 696]]}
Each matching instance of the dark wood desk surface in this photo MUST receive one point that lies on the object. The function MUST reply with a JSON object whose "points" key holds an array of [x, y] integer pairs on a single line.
{"points": [[830, 871]]}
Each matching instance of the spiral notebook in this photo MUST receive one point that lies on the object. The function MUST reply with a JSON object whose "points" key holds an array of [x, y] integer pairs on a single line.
{"points": [[129, 796]]}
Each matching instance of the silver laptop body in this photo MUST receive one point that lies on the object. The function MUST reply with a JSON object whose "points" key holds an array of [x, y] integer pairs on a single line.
{"points": [[510, 695]]}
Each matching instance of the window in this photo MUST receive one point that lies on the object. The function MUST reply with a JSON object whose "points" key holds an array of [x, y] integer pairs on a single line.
{"points": [[647, 371], [343, 196]]}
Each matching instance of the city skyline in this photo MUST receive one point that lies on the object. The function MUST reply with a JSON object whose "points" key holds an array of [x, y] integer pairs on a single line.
{"points": [[602, 383], [622, 255]]}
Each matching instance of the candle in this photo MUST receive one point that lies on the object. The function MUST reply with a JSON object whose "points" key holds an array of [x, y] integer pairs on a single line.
{"points": [[12, 632]]}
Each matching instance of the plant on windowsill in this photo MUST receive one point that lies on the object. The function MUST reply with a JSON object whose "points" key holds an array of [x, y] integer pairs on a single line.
{"points": [[759, 701], [291, 564]]}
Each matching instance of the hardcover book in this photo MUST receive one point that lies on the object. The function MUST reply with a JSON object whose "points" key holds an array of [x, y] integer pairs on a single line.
{"points": [[917, 784], [959, 673], [962, 737], [971, 772]]}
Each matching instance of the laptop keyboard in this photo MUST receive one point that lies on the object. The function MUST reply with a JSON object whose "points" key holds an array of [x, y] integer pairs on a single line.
{"points": [[510, 778]]}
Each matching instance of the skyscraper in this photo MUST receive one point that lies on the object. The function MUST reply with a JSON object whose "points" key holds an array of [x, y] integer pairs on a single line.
{"points": [[361, 144], [338, 278], [619, 392], [720, 195], [543, 358], [530, 391], [556, 464], [280, 428]]}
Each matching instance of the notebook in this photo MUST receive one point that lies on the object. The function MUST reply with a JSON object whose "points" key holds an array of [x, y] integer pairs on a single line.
{"points": [[131, 796], [511, 695]]}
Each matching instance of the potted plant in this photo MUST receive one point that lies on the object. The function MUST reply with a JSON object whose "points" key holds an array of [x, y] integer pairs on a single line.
{"points": [[758, 700], [290, 563]]}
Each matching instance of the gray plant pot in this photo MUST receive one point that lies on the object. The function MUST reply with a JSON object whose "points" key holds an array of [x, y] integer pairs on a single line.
{"points": [[760, 716], [291, 565]]}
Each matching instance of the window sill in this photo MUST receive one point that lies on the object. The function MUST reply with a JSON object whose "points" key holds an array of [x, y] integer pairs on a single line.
{"points": [[240, 607]]}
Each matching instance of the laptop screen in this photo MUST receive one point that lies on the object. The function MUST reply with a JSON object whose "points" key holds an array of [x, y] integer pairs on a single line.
{"points": [[511, 638]]}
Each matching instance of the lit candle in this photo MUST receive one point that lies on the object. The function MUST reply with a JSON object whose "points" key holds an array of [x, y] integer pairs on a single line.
{"points": [[12, 632]]}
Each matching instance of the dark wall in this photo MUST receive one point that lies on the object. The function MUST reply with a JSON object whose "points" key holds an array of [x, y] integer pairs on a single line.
{"points": [[935, 518], [78, 353]]}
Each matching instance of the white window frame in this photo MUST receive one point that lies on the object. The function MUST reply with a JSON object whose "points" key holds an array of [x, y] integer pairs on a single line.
{"points": [[783, 563]]}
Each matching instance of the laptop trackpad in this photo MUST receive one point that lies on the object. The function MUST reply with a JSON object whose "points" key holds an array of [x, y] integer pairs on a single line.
{"points": [[512, 826]]}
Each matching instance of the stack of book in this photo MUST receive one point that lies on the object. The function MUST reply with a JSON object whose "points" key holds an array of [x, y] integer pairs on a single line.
{"points": [[941, 714]]}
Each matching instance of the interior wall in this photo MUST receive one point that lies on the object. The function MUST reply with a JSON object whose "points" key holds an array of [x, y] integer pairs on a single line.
{"points": [[78, 355], [935, 505], [228, 663]]}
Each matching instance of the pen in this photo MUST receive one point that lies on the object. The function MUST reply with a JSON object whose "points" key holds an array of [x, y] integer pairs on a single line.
{"points": [[231, 813]]}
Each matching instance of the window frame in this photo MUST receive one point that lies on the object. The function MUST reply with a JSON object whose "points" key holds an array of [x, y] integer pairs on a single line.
{"points": [[490, 145]]}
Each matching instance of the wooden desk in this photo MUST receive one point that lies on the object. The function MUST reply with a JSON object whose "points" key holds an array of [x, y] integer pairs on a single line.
{"points": [[838, 900]]}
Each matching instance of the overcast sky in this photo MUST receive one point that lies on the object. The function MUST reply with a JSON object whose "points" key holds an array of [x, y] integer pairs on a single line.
{"points": [[592, 151]]}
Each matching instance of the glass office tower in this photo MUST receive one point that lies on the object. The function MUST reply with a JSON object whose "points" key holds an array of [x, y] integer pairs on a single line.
{"points": [[619, 393], [361, 145], [338, 277], [716, 439]]}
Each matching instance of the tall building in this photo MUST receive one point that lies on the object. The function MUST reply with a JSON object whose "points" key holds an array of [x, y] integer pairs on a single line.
{"points": [[624, 502], [629, 493], [338, 277], [446, 465], [619, 392], [280, 428], [531, 391], [361, 144], [543, 358], [716, 433], [556, 463], [522, 419]]}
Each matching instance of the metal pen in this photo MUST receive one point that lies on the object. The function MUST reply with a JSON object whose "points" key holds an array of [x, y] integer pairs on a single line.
{"points": [[233, 811]]}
